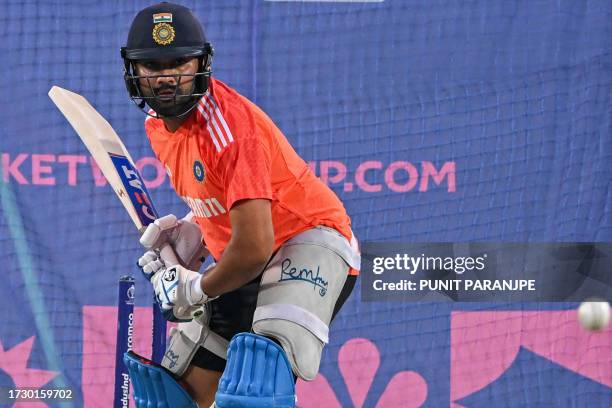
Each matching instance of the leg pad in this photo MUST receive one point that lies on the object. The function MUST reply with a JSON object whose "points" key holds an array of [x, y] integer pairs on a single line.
{"points": [[154, 386], [257, 375]]}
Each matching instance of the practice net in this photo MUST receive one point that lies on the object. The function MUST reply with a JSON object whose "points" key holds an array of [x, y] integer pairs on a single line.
{"points": [[433, 121]]}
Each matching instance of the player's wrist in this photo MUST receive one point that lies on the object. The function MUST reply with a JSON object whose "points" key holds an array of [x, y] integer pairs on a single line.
{"points": [[197, 296]]}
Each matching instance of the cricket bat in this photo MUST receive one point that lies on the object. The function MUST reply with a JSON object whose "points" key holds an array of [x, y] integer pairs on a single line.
{"points": [[117, 165], [112, 158]]}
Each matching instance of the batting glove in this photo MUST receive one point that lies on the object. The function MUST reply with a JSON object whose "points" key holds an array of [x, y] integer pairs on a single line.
{"points": [[184, 236], [179, 293]]}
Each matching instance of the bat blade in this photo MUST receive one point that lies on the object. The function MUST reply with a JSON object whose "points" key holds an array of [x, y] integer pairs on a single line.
{"points": [[109, 152]]}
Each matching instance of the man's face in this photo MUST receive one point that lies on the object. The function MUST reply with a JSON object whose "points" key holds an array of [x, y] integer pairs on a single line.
{"points": [[166, 79]]}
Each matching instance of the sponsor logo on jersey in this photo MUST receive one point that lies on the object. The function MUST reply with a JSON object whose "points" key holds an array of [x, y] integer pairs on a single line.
{"points": [[198, 171], [206, 207]]}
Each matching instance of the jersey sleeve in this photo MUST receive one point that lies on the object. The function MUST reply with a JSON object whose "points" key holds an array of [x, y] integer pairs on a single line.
{"points": [[245, 169]]}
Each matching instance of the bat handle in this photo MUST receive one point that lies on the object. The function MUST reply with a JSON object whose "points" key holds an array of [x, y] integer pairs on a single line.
{"points": [[168, 256]]}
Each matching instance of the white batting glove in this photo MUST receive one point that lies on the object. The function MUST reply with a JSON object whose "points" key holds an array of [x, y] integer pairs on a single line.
{"points": [[184, 236], [150, 263], [179, 293]]}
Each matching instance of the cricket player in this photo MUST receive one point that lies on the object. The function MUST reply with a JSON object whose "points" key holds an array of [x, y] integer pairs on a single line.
{"points": [[285, 256]]}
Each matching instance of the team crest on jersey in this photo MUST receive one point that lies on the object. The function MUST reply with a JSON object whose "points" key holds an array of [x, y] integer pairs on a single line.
{"points": [[163, 33], [198, 171]]}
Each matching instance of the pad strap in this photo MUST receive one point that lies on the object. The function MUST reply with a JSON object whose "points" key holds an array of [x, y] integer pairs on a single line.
{"points": [[296, 314], [332, 240], [185, 340]]}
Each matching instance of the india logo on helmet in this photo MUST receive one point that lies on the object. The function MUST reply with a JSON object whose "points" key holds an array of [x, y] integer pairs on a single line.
{"points": [[163, 33]]}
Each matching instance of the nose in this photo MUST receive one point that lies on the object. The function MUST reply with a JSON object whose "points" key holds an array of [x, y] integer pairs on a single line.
{"points": [[170, 80]]}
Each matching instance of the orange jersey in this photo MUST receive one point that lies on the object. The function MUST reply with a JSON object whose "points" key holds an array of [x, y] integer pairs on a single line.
{"points": [[229, 150]]}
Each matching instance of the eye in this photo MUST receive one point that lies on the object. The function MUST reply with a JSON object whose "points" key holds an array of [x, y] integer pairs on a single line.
{"points": [[181, 61], [151, 65]]}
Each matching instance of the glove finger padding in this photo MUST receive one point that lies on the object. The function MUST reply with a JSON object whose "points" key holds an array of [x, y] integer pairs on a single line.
{"points": [[184, 236], [150, 263], [155, 234]]}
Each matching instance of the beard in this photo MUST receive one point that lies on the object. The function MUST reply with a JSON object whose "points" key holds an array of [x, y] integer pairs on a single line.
{"points": [[172, 108], [175, 105]]}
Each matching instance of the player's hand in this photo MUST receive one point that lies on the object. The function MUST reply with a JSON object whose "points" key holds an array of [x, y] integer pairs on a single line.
{"points": [[178, 293], [184, 236], [150, 263]]}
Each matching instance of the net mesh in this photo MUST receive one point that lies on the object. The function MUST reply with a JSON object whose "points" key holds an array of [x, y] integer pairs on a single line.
{"points": [[433, 121]]}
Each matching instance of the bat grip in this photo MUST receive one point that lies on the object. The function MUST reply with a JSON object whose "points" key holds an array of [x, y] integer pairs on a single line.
{"points": [[168, 256]]}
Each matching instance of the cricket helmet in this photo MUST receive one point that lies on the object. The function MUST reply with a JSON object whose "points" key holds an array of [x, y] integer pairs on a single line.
{"points": [[167, 31]]}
